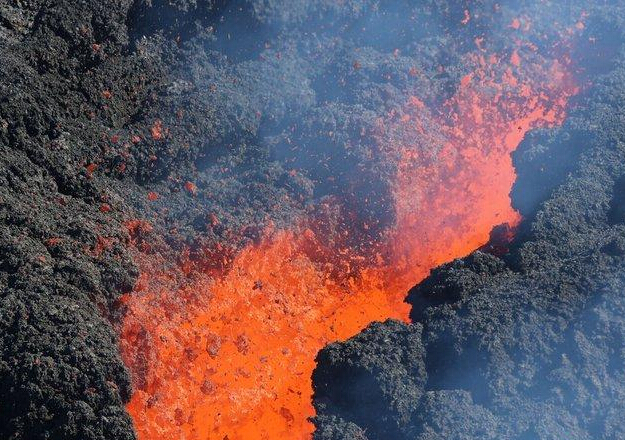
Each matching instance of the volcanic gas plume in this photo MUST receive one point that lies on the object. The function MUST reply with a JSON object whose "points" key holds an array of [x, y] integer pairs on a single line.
{"points": [[229, 355]]}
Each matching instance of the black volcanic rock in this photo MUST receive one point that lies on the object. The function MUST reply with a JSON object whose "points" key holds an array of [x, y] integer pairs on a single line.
{"points": [[380, 372]]}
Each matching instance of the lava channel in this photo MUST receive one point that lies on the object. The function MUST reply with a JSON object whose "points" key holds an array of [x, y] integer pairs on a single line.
{"points": [[231, 356]]}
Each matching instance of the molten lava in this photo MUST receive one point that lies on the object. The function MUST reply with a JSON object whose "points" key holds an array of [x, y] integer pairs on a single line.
{"points": [[231, 356]]}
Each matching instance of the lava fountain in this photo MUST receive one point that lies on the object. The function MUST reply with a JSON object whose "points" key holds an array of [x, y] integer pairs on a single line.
{"points": [[230, 356]]}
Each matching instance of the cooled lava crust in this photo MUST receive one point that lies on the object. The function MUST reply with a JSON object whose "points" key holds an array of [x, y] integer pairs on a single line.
{"points": [[127, 127]]}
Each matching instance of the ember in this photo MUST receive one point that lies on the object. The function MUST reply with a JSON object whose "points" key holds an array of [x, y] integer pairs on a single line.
{"points": [[157, 130]]}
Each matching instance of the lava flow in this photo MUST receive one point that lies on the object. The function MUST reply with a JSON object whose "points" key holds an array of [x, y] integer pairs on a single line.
{"points": [[231, 356]]}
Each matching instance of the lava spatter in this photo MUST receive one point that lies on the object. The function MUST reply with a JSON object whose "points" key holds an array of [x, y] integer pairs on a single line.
{"points": [[231, 356]]}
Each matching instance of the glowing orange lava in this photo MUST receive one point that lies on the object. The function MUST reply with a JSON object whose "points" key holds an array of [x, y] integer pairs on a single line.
{"points": [[230, 357]]}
